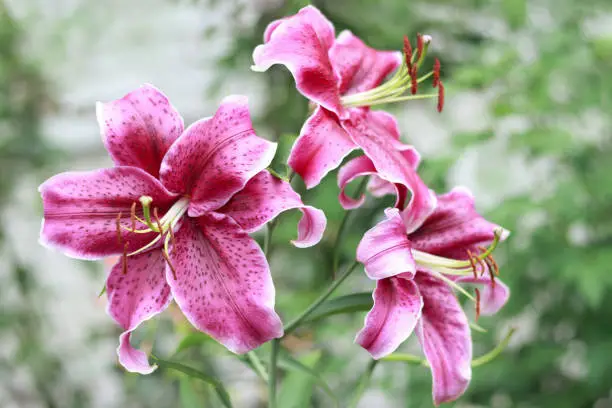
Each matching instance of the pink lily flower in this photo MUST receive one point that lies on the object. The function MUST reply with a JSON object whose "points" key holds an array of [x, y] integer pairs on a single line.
{"points": [[178, 207], [415, 275], [342, 76]]}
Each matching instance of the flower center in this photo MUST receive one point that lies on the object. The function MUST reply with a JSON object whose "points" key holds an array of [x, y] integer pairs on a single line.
{"points": [[405, 79], [476, 265], [163, 226]]}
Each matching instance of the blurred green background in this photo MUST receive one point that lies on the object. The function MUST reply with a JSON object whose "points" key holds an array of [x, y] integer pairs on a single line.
{"points": [[527, 127]]}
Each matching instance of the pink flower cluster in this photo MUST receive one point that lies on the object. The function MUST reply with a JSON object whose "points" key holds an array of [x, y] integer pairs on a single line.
{"points": [[179, 204]]}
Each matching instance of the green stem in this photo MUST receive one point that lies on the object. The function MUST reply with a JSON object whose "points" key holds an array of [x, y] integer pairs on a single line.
{"points": [[294, 324], [496, 351], [341, 230], [257, 365], [268, 237], [273, 371], [364, 381]]}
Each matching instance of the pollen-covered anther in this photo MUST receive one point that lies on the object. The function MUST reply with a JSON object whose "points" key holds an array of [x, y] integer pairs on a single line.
{"points": [[420, 46], [440, 96], [473, 259], [407, 53], [414, 81], [436, 73], [124, 258]]}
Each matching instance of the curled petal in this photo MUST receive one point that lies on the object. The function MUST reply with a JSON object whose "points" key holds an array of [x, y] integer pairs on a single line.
{"points": [[139, 128], [376, 133], [379, 187], [266, 196], [135, 295], [445, 336], [320, 148], [358, 167], [454, 225], [81, 210], [385, 249], [301, 43], [132, 359], [215, 158], [223, 283], [358, 67], [396, 311]]}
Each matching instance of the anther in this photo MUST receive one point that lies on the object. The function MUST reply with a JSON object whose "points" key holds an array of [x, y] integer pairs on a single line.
{"points": [[124, 259], [440, 96], [472, 263], [408, 53], [420, 45], [436, 73], [477, 303], [414, 83], [167, 258], [118, 225], [157, 220]]}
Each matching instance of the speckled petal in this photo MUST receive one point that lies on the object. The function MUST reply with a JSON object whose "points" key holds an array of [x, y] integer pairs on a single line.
{"points": [[493, 296], [215, 158], [396, 311], [81, 209], [385, 249], [377, 134], [358, 67], [135, 296], [445, 336], [223, 283], [301, 42], [453, 226], [266, 196], [320, 148], [138, 129]]}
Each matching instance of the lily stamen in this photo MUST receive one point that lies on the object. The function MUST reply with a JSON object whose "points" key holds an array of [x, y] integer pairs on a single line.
{"points": [[124, 259], [404, 80], [133, 216], [118, 225]]}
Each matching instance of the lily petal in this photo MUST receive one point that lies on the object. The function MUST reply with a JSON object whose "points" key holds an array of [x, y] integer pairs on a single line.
{"points": [[358, 167], [453, 225], [301, 42], [445, 336], [134, 296], [380, 188], [266, 196], [223, 283], [385, 249], [138, 129], [215, 158], [81, 209], [376, 132], [358, 67], [320, 148], [396, 311]]}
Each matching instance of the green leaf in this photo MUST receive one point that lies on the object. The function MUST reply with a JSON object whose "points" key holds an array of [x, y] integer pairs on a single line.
{"points": [[297, 387], [357, 302], [192, 372]]}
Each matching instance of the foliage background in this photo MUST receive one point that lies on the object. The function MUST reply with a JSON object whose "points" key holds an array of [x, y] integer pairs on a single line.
{"points": [[527, 127]]}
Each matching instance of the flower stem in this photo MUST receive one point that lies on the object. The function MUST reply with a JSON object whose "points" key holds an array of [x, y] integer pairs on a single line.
{"points": [[363, 383], [341, 230], [496, 351], [257, 365], [272, 373], [294, 324]]}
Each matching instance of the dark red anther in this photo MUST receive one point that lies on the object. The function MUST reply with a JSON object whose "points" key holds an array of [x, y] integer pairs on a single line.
{"points": [[477, 303], [440, 96], [436, 73], [408, 53], [472, 263], [167, 258], [420, 45], [414, 84], [124, 258]]}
